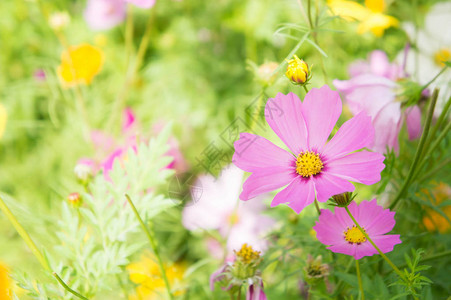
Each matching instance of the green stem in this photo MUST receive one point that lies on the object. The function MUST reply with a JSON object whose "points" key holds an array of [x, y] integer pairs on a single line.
{"points": [[419, 151], [67, 288], [305, 89], [440, 119], [119, 103], [317, 207], [359, 277], [436, 143], [129, 34], [154, 246], [436, 76], [376, 247], [24, 235], [309, 13]]}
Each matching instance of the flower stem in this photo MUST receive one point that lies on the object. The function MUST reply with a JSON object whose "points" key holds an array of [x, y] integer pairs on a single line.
{"points": [[154, 246], [359, 277], [419, 151], [317, 207], [436, 76], [377, 248], [131, 72], [67, 288], [129, 34], [305, 89], [24, 235]]}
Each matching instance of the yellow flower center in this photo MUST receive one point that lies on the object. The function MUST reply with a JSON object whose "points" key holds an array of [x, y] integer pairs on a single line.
{"points": [[308, 163], [353, 235], [441, 56], [247, 254]]}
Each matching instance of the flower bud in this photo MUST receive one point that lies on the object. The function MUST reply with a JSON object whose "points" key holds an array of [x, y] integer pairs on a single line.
{"points": [[84, 170], [315, 269], [343, 200], [247, 261], [297, 71], [265, 73], [74, 199], [59, 20]]}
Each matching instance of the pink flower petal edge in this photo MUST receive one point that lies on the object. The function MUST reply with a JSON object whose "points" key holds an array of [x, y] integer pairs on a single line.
{"points": [[374, 219], [304, 127]]}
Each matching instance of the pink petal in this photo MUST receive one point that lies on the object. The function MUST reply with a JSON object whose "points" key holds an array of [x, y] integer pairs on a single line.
{"points": [[253, 152], [344, 248], [364, 167], [387, 124], [387, 242], [380, 65], [327, 185], [413, 121], [321, 109], [374, 218], [284, 115], [329, 229], [353, 135], [364, 249], [298, 194], [266, 180], [128, 119], [104, 14]]}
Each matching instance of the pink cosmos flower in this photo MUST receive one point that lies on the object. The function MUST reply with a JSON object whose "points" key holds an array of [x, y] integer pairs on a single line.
{"points": [[109, 149], [104, 14], [214, 206], [142, 3], [373, 88], [314, 167], [339, 231]]}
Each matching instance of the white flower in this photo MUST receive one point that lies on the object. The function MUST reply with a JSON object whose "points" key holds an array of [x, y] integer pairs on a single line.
{"points": [[434, 47]]}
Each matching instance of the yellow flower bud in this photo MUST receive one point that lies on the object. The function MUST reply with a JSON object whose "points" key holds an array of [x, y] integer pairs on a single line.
{"points": [[297, 70]]}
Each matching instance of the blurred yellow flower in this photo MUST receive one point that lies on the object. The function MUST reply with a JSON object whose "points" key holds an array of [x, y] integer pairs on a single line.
{"points": [[5, 284], [3, 118], [370, 16], [433, 220], [79, 64], [146, 273]]}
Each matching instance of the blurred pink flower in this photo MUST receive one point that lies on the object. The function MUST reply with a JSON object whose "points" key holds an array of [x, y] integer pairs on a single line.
{"points": [[255, 292], [339, 231], [217, 208], [314, 167], [142, 3], [104, 14], [108, 149], [373, 88]]}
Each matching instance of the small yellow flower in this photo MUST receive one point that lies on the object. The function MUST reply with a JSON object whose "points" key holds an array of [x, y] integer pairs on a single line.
{"points": [[5, 284], [297, 70], [79, 64], [370, 16], [433, 220], [146, 274], [3, 119]]}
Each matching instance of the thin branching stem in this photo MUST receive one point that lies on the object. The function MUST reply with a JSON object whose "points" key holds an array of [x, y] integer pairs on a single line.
{"points": [[418, 153], [24, 235], [154, 246], [67, 288]]}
